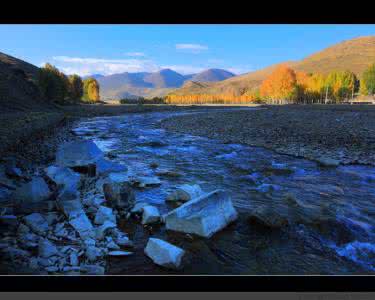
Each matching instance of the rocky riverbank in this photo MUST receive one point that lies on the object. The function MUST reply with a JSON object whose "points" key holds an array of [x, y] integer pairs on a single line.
{"points": [[331, 135], [64, 218]]}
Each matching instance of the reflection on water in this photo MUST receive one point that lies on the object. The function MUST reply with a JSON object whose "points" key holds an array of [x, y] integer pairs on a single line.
{"points": [[332, 230]]}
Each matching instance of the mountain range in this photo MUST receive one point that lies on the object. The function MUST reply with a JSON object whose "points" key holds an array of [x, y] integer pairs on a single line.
{"points": [[354, 55], [18, 89], [156, 84]]}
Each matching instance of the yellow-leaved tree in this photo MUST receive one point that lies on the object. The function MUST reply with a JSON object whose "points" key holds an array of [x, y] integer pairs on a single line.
{"points": [[90, 90], [280, 86]]}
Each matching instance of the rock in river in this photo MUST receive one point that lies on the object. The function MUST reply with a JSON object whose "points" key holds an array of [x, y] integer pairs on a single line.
{"points": [[203, 216], [119, 194], [78, 154], [150, 215], [267, 216], [185, 193], [104, 167], [164, 254]]}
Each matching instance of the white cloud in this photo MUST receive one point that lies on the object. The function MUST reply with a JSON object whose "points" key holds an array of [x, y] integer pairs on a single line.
{"points": [[87, 66], [135, 54], [193, 48]]}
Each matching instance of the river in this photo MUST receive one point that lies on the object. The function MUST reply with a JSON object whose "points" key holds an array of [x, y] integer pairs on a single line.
{"points": [[344, 243]]}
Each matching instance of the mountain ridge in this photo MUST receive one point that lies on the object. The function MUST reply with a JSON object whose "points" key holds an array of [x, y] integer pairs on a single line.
{"points": [[354, 55], [149, 84]]}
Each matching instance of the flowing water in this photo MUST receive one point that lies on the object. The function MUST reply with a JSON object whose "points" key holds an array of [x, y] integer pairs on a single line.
{"points": [[333, 234]]}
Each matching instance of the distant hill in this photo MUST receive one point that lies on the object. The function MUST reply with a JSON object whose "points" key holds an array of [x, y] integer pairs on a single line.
{"points": [[212, 75], [18, 90], [166, 78], [157, 84], [354, 55]]}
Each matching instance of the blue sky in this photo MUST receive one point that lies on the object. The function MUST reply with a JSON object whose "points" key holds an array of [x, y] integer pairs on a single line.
{"points": [[108, 49]]}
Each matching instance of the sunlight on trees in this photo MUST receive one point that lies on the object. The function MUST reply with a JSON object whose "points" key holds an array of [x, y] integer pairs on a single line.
{"points": [[57, 87], [90, 90], [368, 81]]}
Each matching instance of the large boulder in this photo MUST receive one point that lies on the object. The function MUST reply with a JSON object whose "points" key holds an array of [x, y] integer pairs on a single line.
{"points": [[32, 195], [67, 179], [78, 154], [119, 194], [164, 254], [203, 216], [185, 193]]}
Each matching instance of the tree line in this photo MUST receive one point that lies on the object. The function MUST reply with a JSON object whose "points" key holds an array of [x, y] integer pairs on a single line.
{"points": [[211, 99], [60, 88], [285, 85]]}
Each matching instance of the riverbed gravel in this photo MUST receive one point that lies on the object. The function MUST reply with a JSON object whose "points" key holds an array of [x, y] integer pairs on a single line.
{"points": [[342, 133]]}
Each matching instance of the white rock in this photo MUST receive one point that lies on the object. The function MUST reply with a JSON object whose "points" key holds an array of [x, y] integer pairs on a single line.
{"points": [[150, 215], [71, 208], [185, 193], [63, 176], [164, 254], [47, 249], [37, 223], [122, 239], [203, 216], [83, 226], [104, 214], [78, 154], [93, 253]]}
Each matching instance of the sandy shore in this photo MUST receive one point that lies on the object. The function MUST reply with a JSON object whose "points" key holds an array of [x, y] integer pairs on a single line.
{"points": [[345, 133]]}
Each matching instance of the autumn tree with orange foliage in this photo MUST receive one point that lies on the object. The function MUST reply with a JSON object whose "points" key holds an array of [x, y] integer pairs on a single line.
{"points": [[281, 86]]}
